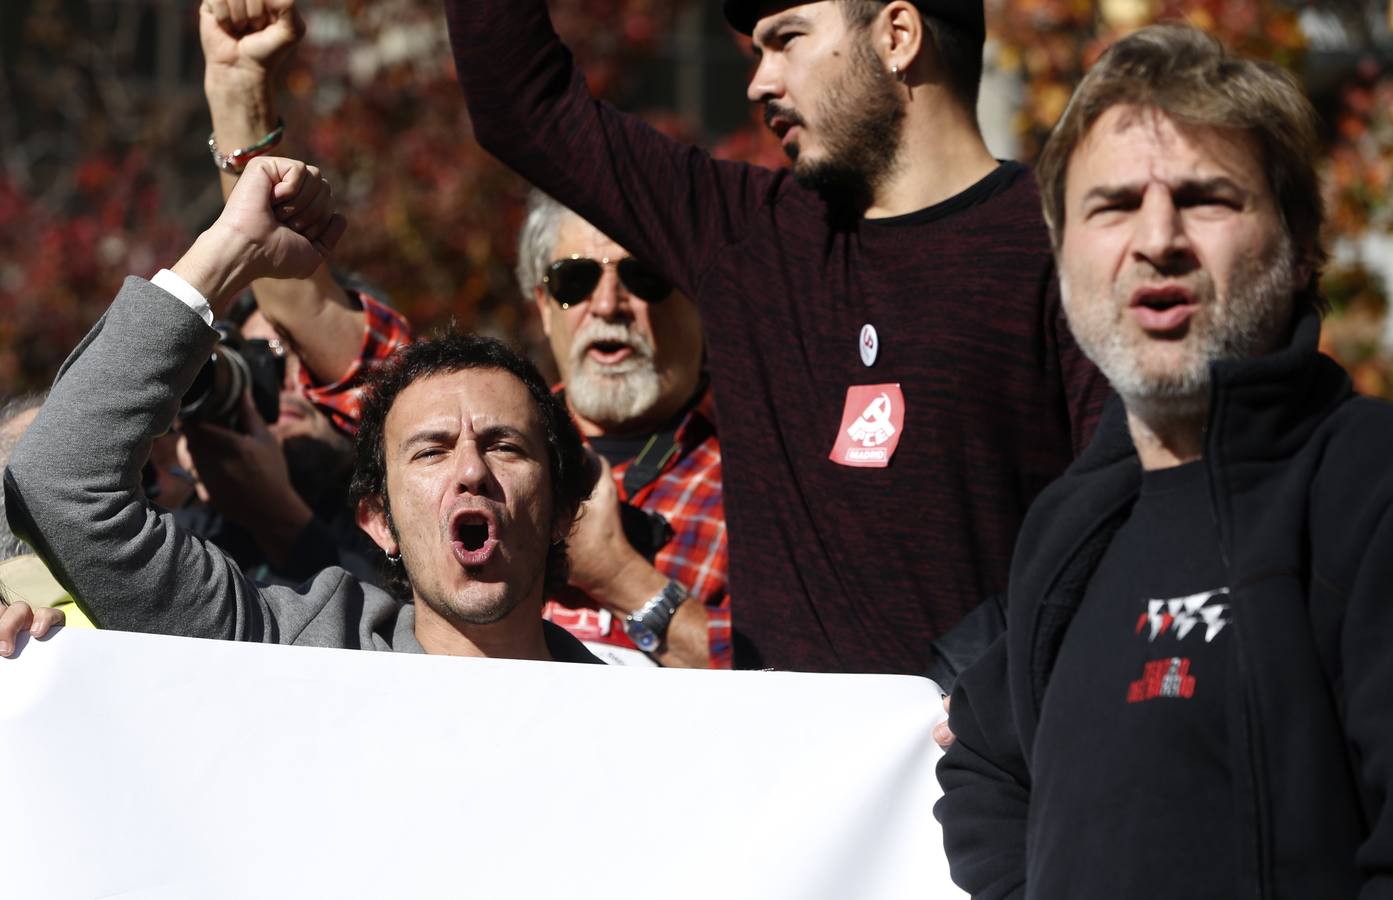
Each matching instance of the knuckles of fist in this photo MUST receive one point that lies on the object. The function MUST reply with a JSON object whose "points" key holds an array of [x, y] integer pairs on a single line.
{"points": [[299, 198]]}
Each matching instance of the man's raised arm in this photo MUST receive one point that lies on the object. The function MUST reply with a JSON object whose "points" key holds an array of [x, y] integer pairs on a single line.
{"points": [[666, 202], [242, 52], [73, 486]]}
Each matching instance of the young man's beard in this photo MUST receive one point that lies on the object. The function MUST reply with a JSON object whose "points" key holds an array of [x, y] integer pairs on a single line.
{"points": [[861, 119]]}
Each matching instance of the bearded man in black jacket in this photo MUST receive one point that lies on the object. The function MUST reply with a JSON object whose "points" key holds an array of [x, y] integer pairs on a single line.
{"points": [[1194, 695]]}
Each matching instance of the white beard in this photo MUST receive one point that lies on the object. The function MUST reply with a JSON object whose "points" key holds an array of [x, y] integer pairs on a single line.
{"points": [[611, 396]]}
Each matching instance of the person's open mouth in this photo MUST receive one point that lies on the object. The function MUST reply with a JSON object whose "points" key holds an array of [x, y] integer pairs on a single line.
{"points": [[1163, 310], [475, 536], [784, 129], [784, 124], [609, 353]]}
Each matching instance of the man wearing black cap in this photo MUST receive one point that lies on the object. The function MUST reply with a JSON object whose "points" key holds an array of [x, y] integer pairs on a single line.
{"points": [[893, 376]]}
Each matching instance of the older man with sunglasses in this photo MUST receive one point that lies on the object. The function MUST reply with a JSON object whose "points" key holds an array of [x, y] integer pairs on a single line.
{"points": [[648, 556]]}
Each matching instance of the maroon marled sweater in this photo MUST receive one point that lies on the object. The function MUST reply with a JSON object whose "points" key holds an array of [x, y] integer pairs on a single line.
{"points": [[832, 568]]}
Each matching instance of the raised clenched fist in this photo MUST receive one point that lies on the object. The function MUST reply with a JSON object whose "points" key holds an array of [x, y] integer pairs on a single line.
{"points": [[284, 209], [253, 36], [279, 222]]}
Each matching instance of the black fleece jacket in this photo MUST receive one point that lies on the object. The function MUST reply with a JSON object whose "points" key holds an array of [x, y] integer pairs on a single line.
{"points": [[1302, 489]]}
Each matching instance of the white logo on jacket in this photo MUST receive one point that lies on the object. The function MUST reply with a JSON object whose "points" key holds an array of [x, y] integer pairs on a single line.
{"points": [[873, 428], [1180, 615]]}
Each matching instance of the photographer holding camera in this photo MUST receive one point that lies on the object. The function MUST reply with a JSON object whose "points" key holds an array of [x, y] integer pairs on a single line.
{"points": [[273, 495], [272, 471]]}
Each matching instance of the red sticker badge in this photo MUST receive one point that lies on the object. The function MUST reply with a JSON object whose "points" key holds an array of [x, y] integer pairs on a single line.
{"points": [[872, 422]]}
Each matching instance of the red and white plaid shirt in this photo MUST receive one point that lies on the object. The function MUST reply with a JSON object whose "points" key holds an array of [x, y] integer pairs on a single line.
{"points": [[688, 495], [384, 331]]}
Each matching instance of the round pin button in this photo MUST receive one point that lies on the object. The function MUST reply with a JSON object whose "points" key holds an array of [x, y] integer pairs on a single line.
{"points": [[869, 345]]}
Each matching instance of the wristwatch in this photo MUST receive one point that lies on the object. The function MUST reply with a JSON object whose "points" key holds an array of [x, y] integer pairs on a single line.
{"points": [[647, 627]]}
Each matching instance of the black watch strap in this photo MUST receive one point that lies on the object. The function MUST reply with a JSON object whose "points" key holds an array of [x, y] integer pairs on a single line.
{"points": [[656, 615]]}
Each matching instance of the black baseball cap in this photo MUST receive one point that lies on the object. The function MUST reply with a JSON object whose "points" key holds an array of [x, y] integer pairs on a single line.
{"points": [[743, 14]]}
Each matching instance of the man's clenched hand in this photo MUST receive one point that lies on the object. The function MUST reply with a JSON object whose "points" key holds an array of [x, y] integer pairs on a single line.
{"points": [[607, 568], [285, 211], [279, 222], [250, 36], [597, 549]]}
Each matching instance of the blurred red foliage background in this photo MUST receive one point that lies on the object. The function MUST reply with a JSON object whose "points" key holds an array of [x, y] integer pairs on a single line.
{"points": [[100, 180], [1051, 43], [104, 169]]}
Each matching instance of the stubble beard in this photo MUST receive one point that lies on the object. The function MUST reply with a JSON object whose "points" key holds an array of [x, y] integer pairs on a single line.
{"points": [[454, 609], [1251, 323], [861, 118], [612, 396], [465, 614]]}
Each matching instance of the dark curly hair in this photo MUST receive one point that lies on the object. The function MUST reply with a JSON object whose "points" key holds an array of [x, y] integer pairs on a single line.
{"points": [[572, 476]]}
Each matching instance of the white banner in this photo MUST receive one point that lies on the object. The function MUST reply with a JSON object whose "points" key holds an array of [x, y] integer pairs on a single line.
{"points": [[144, 766]]}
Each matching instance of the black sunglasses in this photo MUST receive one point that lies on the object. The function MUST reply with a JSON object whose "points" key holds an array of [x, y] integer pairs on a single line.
{"points": [[572, 280]]}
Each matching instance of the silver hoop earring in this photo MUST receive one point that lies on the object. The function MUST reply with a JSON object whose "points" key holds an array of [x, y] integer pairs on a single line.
{"points": [[394, 558], [895, 71]]}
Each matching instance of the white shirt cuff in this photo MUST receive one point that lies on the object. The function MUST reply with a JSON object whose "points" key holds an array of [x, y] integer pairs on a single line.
{"points": [[170, 283]]}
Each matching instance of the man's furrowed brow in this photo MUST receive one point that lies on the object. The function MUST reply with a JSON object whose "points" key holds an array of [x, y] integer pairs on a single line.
{"points": [[531, 436], [769, 32], [1111, 193], [1203, 187], [440, 435], [427, 435], [501, 430], [1182, 188]]}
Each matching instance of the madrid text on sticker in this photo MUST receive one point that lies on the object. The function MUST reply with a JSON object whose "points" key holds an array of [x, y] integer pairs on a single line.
{"points": [[872, 424]]}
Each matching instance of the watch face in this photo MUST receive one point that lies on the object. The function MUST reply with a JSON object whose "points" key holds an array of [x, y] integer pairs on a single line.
{"points": [[642, 636]]}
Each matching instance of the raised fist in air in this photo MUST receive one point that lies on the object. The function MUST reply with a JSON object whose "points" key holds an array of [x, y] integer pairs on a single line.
{"points": [[279, 222], [252, 36]]}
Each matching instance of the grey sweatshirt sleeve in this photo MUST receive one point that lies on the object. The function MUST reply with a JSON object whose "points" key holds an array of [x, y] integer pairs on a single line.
{"points": [[73, 486]]}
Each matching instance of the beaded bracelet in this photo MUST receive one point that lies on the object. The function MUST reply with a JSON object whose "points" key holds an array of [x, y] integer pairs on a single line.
{"points": [[237, 160]]}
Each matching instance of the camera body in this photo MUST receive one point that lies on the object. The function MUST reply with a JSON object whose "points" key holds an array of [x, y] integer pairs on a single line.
{"points": [[647, 532], [238, 364]]}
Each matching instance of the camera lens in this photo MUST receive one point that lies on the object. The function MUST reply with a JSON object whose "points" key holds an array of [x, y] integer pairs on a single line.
{"points": [[216, 392], [236, 367]]}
